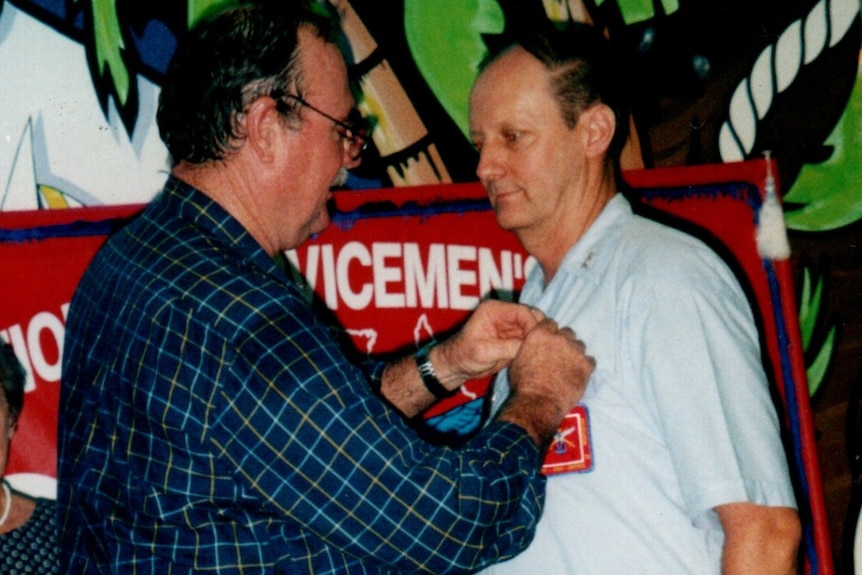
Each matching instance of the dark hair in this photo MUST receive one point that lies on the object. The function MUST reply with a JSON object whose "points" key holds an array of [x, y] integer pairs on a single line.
{"points": [[585, 69], [225, 63], [12, 379]]}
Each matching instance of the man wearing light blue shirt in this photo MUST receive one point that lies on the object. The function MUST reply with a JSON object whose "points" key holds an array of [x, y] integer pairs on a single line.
{"points": [[675, 463]]}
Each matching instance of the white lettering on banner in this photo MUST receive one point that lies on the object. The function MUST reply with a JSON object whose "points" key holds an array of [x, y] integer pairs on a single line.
{"points": [[459, 277], [384, 275], [430, 281], [28, 343], [354, 300], [447, 277], [45, 321]]}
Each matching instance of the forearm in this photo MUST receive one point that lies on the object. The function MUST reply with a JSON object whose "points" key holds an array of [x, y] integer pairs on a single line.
{"points": [[538, 415], [485, 344], [403, 388], [759, 539], [549, 372]]}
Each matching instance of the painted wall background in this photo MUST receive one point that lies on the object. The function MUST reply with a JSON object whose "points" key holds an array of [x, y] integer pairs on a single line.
{"points": [[714, 80]]}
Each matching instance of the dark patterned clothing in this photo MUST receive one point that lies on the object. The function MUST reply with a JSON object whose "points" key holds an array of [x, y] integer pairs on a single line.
{"points": [[210, 423], [32, 548]]}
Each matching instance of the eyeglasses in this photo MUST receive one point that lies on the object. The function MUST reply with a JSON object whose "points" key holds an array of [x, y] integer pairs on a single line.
{"points": [[353, 132]]}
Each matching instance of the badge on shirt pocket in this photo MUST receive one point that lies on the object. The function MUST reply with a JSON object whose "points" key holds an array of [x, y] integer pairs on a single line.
{"points": [[570, 451]]}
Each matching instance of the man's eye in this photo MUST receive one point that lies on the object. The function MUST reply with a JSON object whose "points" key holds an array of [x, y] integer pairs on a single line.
{"points": [[477, 146], [512, 136]]}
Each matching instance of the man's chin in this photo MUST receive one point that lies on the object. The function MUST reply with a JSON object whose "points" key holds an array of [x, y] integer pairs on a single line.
{"points": [[506, 219], [321, 223]]}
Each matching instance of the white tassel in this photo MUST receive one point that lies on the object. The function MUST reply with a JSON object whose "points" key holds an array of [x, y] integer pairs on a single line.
{"points": [[772, 240]]}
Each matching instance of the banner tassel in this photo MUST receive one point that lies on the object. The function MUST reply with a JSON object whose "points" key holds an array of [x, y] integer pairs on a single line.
{"points": [[771, 232]]}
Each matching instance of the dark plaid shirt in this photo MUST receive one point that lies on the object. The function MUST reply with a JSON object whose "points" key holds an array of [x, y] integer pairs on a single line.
{"points": [[209, 423]]}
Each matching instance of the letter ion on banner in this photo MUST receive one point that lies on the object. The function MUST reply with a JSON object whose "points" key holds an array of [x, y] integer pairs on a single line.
{"points": [[42, 257]]}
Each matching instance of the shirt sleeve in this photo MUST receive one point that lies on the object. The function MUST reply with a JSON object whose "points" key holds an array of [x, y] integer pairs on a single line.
{"points": [[313, 442], [704, 377]]}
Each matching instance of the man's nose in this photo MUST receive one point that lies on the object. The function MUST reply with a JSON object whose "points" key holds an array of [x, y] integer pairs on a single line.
{"points": [[489, 165]]}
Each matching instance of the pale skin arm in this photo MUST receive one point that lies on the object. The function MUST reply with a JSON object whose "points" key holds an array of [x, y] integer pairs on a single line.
{"points": [[486, 343], [759, 539], [548, 367], [546, 379]]}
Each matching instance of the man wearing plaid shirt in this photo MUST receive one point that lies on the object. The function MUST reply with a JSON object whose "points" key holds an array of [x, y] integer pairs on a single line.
{"points": [[209, 423]]}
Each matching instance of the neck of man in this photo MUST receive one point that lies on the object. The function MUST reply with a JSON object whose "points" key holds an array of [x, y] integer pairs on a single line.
{"points": [[550, 242], [227, 185]]}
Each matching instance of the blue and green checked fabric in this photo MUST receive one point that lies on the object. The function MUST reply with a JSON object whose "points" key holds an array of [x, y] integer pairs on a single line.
{"points": [[210, 423]]}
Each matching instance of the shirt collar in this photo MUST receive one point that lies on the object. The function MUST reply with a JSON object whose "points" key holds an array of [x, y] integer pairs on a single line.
{"points": [[193, 206], [589, 256]]}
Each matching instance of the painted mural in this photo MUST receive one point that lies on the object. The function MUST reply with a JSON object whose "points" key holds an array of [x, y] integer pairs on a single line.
{"points": [[715, 81]]}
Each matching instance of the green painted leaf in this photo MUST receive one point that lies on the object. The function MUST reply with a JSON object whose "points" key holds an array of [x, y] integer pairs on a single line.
{"points": [[445, 40], [830, 193], [199, 8], [109, 44], [817, 370], [809, 307], [634, 11]]}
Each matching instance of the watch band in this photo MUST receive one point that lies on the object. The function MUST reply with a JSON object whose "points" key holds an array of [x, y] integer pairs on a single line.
{"points": [[429, 377]]}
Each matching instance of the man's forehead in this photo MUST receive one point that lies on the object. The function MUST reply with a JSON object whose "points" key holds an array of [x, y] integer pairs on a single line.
{"points": [[512, 78], [515, 74], [517, 60], [321, 62]]}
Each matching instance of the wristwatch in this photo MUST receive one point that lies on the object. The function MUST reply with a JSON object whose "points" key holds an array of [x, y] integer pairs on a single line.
{"points": [[429, 376]]}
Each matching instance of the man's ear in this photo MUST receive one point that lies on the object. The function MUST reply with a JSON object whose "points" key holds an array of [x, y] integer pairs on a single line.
{"points": [[263, 128], [601, 125]]}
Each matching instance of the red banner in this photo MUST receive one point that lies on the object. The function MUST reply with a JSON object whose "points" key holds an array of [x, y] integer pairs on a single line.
{"points": [[401, 267], [42, 257], [396, 268]]}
